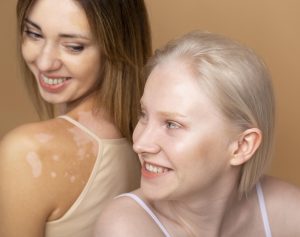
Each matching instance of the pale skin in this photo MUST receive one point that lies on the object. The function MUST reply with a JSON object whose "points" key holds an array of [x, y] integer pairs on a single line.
{"points": [[191, 157], [44, 166]]}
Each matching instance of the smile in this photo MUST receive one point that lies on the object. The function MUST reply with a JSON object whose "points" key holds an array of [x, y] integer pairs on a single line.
{"points": [[155, 168], [53, 81]]}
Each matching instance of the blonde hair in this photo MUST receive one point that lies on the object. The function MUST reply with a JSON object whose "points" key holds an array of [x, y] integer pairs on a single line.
{"points": [[121, 28], [237, 80]]}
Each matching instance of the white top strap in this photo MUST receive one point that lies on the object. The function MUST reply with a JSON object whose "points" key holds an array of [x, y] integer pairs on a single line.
{"points": [[79, 125], [147, 209], [263, 210]]}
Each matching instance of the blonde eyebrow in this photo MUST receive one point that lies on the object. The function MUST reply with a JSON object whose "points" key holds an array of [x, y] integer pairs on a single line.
{"points": [[171, 114], [165, 113]]}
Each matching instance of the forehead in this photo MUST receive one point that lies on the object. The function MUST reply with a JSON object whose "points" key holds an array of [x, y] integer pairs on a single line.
{"points": [[172, 86], [59, 14]]}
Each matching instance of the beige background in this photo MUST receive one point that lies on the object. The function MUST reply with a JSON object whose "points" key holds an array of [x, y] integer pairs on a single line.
{"points": [[271, 27]]}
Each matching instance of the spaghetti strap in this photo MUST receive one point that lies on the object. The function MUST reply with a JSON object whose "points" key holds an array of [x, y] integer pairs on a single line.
{"points": [[139, 201], [263, 210], [79, 125]]}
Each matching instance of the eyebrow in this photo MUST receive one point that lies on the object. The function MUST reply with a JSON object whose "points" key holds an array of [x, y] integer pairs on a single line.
{"points": [[32, 24], [70, 36], [171, 114], [165, 113]]}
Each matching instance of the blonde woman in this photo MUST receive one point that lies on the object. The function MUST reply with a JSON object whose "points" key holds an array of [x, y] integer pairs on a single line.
{"points": [[204, 138]]}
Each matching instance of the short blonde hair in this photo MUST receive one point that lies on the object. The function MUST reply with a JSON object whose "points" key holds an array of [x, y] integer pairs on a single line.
{"points": [[237, 80]]}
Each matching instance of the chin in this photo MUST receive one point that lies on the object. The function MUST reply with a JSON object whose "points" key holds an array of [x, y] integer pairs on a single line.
{"points": [[155, 194], [52, 100]]}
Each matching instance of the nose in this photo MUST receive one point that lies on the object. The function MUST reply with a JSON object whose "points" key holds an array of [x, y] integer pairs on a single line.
{"points": [[145, 139], [48, 59]]}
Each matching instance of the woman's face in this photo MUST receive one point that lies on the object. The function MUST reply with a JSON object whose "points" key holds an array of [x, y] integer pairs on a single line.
{"points": [[59, 48], [182, 140]]}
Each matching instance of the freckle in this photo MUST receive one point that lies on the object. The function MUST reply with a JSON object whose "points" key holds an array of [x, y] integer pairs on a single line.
{"points": [[72, 179], [53, 174], [43, 137], [35, 163]]}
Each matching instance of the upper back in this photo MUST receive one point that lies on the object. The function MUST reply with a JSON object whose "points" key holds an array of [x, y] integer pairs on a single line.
{"points": [[67, 174]]}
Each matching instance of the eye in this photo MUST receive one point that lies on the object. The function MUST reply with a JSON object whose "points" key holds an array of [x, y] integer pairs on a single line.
{"points": [[75, 48], [142, 116], [172, 125], [33, 35]]}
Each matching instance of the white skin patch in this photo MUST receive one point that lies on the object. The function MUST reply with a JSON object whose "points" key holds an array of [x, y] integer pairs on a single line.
{"points": [[53, 175], [55, 158], [84, 117], [43, 137], [72, 179], [81, 153], [81, 142], [35, 163]]}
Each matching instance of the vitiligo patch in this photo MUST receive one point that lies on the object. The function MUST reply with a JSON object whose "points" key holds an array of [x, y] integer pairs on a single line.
{"points": [[43, 137], [36, 165]]}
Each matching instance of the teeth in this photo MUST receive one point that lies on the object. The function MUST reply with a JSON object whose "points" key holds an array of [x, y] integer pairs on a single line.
{"points": [[155, 169], [52, 81]]}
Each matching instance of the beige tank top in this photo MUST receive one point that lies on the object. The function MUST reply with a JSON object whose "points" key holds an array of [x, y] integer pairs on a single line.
{"points": [[116, 171]]}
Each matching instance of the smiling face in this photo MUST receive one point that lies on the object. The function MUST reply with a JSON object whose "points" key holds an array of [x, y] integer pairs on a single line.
{"points": [[59, 49], [182, 140]]}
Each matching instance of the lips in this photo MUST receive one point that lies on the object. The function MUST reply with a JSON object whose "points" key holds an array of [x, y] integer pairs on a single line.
{"points": [[53, 84], [150, 170]]}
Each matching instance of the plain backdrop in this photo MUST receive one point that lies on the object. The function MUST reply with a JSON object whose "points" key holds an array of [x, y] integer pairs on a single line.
{"points": [[271, 27]]}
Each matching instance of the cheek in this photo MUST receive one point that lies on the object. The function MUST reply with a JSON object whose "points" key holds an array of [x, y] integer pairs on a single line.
{"points": [[86, 67], [29, 51], [192, 152]]}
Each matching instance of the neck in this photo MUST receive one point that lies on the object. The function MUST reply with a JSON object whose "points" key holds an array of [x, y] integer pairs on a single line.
{"points": [[86, 101], [205, 215]]}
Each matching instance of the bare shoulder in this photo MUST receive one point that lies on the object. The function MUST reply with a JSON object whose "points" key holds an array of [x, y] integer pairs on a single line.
{"points": [[17, 144], [124, 217], [283, 204], [34, 137], [277, 191], [24, 199], [121, 218]]}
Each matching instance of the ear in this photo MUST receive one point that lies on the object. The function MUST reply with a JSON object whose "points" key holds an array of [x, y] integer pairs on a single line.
{"points": [[245, 146]]}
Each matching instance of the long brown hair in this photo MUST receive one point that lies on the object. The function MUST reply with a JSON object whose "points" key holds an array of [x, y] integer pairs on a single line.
{"points": [[121, 28]]}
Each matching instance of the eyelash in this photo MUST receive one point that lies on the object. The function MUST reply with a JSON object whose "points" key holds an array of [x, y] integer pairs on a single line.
{"points": [[75, 48], [72, 48], [169, 124], [172, 125], [141, 115], [33, 35]]}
